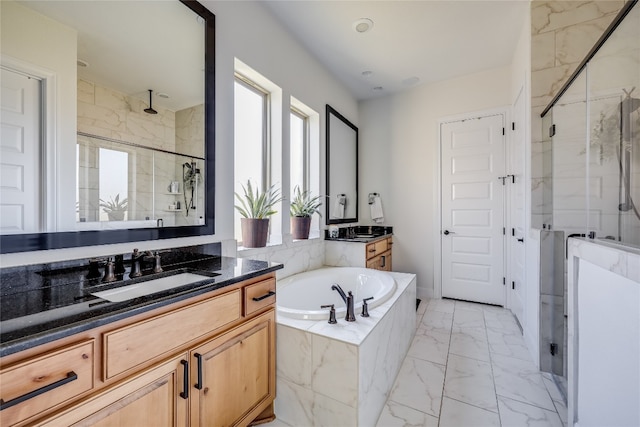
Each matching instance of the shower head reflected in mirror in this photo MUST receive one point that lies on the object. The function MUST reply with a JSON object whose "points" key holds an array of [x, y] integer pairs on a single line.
{"points": [[150, 110]]}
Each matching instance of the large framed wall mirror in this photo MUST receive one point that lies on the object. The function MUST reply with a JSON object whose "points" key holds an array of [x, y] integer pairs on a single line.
{"points": [[107, 122], [342, 168]]}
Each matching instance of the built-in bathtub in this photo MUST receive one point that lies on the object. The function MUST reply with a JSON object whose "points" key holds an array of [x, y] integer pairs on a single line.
{"points": [[300, 296], [341, 374]]}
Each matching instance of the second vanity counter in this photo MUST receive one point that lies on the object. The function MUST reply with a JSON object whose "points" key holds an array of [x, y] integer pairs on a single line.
{"points": [[39, 305]]}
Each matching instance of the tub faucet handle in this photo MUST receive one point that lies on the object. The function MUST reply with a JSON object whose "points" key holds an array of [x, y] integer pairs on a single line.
{"points": [[332, 313], [109, 275], [365, 307]]}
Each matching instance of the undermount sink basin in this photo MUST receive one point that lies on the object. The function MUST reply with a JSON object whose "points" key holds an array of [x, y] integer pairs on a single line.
{"points": [[149, 287]]}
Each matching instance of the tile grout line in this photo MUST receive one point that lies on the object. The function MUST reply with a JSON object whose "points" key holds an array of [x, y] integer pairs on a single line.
{"points": [[446, 365], [493, 377]]}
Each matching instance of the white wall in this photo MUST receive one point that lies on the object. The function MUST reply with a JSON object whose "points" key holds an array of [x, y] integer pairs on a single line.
{"points": [[399, 159], [245, 30]]}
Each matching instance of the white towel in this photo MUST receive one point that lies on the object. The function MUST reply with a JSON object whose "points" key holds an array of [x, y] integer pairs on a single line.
{"points": [[338, 207], [376, 210]]}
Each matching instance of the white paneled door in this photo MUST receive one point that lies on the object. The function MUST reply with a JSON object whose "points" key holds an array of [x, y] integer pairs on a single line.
{"points": [[473, 164], [20, 165]]}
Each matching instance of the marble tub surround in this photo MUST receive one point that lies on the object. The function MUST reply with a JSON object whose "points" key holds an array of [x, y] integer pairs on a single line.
{"points": [[45, 302], [604, 307], [341, 374], [438, 386]]}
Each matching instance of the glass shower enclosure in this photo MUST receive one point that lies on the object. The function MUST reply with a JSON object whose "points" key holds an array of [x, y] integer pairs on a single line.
{"points": [[591, 167]]}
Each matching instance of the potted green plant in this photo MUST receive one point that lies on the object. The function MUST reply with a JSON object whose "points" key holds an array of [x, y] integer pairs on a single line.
{"points": [[115, 208], [256, 207], [303, 206]]}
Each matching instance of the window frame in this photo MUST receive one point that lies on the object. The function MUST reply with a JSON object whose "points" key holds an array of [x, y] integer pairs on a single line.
{"points": [[306, 141], [266, 126]]}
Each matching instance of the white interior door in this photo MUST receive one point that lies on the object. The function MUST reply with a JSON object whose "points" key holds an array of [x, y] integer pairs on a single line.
{"points": [[20, 166], [516, 188], [472, 159]]}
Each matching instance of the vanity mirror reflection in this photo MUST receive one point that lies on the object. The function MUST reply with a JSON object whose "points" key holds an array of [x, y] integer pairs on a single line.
{"points": [[342, 168], [107, 122]]}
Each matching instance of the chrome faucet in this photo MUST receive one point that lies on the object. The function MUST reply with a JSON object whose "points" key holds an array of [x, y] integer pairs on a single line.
{"points": [[348, 300]]}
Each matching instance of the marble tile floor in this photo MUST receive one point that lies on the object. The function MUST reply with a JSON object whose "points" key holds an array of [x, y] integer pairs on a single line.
{"points": [[468, 366]]}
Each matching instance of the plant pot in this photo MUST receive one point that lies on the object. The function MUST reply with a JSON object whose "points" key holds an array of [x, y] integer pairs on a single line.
{"points": [[300, 226], [254, 232], [116, 216]]}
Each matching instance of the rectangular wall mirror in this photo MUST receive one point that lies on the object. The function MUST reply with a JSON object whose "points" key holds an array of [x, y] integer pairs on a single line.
{"points": [[342, 169], [107, 122]]}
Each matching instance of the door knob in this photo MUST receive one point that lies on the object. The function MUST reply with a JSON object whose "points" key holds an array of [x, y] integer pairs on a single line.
{"points": [[447, 232]]}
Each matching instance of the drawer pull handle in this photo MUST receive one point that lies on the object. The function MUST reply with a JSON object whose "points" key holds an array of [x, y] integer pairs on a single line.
{"points": [[71, 376], [265, 296], [198, 357], [372, 250], [185, 380]]}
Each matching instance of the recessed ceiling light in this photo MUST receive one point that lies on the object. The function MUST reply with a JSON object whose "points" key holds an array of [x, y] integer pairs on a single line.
{"points": [[82, 63], [367, 73], [162, 95], [378, 88], [410, 81], [363, 25]]}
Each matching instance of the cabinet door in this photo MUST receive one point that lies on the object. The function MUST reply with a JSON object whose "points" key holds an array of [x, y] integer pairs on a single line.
{"points": [[234, 374], [152, 398]]}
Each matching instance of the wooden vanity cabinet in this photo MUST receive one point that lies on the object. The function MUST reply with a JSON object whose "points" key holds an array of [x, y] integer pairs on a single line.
{"points": [[379, 254], [219, 371]]}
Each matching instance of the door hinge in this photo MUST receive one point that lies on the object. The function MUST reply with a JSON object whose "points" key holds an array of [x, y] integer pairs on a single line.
{"points": [[513, 231], [503, 131], [513, 285], [504, 280], [513, 125], [504, 231], [553, 348], [552, 131]]}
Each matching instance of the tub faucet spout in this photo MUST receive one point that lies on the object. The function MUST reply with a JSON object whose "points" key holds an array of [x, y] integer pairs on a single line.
{"points": [[337, 288], [348, 300]]}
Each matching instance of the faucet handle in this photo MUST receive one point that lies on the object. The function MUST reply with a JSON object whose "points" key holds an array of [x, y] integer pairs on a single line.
{"points": [[109, 275], [365, 307], [332, 313], [157, 268]]}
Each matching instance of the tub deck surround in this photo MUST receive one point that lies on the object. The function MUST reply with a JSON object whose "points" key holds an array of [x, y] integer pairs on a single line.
{"points": [[603, 325], [46, 302], [342, 374]]}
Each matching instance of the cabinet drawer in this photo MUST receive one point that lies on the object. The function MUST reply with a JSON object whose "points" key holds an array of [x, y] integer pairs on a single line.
{"points": [[130, 346], [376, 248], [43, 382], [259, 295]]}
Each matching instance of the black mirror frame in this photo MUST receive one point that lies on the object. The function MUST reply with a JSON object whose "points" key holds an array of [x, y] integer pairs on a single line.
{"points": [[44, 241], [331, 111]]}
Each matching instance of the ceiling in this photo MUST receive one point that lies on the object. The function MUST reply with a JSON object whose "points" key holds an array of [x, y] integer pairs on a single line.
{"points": [[410, 42], [133, 46]]}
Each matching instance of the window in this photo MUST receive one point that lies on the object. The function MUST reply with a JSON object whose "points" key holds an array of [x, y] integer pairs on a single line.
{"points": [[299, 149], [251, 139], [304, 150]]}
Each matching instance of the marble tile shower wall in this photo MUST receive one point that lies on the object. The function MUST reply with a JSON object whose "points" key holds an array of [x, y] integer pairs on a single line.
{"points": [[562, 33], [108, 113]]}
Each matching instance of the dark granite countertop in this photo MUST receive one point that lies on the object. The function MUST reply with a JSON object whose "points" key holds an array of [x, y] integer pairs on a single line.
{"points": [[358, 239], [43, 303], [360, 234]]}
